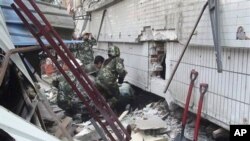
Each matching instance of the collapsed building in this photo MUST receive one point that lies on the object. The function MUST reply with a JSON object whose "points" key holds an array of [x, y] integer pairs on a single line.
{"points": [[152, 35]]}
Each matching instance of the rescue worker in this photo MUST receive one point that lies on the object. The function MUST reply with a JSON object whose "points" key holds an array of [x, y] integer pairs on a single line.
{"points": [[112, 69], [93, 68], [68, 100], [85, 50]]}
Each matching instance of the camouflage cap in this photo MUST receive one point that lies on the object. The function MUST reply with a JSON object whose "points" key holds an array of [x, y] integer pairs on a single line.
{"points": [[114, 51]]}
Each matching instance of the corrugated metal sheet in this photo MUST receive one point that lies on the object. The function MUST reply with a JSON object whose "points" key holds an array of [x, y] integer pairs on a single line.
{"points": [[20, 129], [20, 36], [227, 101], [57, 16], [6, 44]]}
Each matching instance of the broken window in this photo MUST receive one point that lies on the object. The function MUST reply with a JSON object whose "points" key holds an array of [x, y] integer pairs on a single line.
{"points": [[157, 60]]}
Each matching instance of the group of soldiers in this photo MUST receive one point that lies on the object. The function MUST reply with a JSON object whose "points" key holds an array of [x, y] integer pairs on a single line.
{"points": [[105, 74]]}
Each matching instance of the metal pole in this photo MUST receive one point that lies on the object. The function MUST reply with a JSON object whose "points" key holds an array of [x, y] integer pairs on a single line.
{"points": [[185, 48], [100, 28], [215, 23]]}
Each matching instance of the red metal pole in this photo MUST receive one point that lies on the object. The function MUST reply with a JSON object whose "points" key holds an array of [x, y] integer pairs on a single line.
{"points": [[193, 76], [203, 90]]}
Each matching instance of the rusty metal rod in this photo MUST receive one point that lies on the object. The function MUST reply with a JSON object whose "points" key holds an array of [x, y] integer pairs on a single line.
{"points": [[7, 59], [185, 48]]}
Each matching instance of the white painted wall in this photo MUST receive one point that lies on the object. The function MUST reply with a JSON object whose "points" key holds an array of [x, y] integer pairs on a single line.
{"points": [[227, 101], [228, 98], [125, 21]]}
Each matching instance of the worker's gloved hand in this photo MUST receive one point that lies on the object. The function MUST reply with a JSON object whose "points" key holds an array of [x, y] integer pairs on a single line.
{"points": [[120, 80]]}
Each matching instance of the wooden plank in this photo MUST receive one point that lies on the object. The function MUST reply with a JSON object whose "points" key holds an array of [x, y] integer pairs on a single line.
{"points": [[66, 121]]}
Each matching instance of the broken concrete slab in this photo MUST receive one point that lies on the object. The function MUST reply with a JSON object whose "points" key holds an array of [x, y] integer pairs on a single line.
{"points": [[140, 136], [87, 133], [66, 122], [152, 122]]}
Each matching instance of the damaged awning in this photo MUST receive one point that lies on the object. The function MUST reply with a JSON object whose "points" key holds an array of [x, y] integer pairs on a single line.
{"points": [[20, 36], [6, 45]]}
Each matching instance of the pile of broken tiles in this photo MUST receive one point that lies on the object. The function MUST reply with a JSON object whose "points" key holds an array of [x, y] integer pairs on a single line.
{"points": [[152, 123]]}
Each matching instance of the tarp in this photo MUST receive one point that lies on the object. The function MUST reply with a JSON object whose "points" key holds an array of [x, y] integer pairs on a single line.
{"points": [[6, 44]]}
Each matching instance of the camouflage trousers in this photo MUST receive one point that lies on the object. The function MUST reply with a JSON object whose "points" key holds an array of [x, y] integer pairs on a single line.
{"points": [[110, 93], [71, 107]]}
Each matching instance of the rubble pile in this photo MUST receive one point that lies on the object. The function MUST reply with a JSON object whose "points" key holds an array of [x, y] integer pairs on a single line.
{"points": [[152, 123], [51, 120]]}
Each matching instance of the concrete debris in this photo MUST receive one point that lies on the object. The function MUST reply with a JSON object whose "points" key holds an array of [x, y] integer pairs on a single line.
{"points": [[152, 122], [66, 123], [87, 132], [149, 34], [148, 123], [220, 133], [189, 134], [140, 136]]}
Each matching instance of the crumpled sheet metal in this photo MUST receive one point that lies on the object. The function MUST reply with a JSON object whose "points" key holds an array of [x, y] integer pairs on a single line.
{"points": [[6, 44]]}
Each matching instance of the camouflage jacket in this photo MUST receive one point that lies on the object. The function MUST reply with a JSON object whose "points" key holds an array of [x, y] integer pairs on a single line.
{"points": [[110, 71], [85, 51], [66, 98]]}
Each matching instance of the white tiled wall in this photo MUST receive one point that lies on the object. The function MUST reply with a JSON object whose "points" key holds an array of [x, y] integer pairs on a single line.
{"points": [[125, 21], [227, 101]]}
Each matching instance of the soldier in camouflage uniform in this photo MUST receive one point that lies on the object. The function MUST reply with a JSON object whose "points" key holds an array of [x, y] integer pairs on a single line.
{"points": [[93, 68], [85, 51], [112, 69], [68, 100]]}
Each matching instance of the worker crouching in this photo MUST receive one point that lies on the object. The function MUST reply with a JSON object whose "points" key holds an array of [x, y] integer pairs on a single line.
{"points": [[112, 70]]}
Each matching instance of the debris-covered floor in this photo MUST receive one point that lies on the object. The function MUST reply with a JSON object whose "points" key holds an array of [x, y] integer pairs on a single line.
{"points": [[150, 118]]}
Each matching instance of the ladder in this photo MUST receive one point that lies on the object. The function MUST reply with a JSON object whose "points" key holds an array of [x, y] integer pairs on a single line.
{"points": [[112, 127]]}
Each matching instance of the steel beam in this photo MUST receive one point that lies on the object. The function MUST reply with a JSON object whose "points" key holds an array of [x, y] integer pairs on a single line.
{"points": [[215, 23]]}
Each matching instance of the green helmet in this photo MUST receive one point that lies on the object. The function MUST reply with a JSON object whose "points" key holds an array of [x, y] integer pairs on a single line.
{"points": [[113, 51]]}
